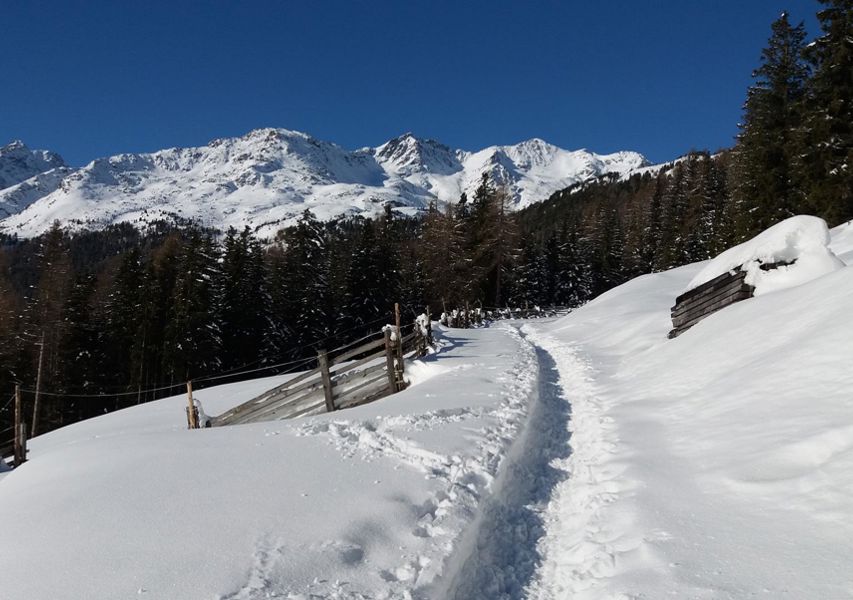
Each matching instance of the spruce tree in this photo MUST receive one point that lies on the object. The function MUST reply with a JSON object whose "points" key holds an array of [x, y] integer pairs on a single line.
{"points": [[765, 188], [825, 139]]}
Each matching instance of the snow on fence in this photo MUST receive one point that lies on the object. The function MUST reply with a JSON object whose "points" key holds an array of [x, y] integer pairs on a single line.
{"points": [[349, 376], [696, 304], [466, 317]]}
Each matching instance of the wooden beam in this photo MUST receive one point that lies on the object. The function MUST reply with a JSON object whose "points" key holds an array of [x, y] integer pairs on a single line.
{"points": [[389, 362], [323, 361], [356, 351]]}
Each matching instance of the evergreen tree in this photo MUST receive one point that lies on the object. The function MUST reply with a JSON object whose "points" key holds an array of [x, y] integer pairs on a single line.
{"points": [[242, 301], [193, 340], [765, 190], [825, 140]]}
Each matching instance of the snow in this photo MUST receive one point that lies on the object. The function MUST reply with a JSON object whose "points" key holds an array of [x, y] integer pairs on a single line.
{"points": [[18, 163], [268, 177], [365, 503], [802, 241], [586, 457]]}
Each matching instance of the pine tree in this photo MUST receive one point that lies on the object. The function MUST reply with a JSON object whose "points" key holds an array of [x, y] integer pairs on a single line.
{"points": [[242, 299], [193, 339], [825, 140], [765, 190]]}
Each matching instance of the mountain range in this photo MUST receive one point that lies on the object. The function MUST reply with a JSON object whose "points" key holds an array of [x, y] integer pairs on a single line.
{"points": [[268, 177]]}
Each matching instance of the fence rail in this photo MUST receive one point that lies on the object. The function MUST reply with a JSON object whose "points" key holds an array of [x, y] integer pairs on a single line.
{"points": [[16, 447], [465, 317], [357, 374]]}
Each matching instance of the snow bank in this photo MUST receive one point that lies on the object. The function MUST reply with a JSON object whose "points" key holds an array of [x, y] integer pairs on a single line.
{"points": [[363, 504], [802, 241], [842, 241], [728, 471]]}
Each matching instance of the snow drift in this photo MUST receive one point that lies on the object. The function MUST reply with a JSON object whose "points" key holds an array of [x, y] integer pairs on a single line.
{"points": [[797, 247]]}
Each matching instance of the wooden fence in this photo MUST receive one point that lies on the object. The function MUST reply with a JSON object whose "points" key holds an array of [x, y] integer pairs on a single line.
{"points": [[467, 317], [13, 441], [696, 304], [350, 376]]}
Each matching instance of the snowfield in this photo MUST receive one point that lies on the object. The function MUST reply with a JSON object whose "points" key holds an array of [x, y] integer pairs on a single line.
{"points": [[587, 457]]}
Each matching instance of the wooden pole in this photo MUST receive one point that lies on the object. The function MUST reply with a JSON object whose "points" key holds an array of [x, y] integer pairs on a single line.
{"points": [[400, 366], [20, 428], [389, 362], [323, 362], [21, 439], [37, 401], [192, 422]]}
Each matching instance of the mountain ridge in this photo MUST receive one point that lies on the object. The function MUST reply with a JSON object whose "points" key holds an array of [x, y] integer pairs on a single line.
{"points": [[266, 178]]}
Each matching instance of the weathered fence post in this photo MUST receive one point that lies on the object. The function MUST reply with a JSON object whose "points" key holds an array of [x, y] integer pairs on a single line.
{"points": [[323, 363], [20, 429], [37, 401], [21, 439], [389, 361], [192, 413], [400, 366]]}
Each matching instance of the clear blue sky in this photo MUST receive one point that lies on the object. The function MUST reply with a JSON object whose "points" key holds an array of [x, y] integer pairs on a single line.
{"points": [[98, 77]]}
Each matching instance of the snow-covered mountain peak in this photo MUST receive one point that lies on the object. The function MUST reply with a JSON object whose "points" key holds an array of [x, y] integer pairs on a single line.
{"points": [[266, 178], [408, 154], [18, 163]]}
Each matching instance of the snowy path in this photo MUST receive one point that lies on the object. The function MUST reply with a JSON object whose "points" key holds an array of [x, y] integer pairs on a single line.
{"points": [[579, 548], [541, 533], [503, 556]]}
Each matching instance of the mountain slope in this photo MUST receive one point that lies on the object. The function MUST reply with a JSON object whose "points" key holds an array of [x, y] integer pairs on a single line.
{"points": [[268, 177], [18, 163]]}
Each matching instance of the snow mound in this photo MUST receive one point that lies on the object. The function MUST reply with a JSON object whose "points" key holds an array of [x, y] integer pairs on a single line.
{"points": [[799, 246]]}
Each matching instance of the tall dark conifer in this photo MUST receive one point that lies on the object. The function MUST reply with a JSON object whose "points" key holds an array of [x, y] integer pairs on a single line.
{"points": [[825, 140], [765, 188]]}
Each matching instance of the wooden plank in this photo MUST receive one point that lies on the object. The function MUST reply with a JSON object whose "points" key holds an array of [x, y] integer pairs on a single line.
{"points": [[701, 289], [697, 293], [698, 306], [318, 407], [690, 323], [290, 411], [270, 402], [408, 338], [323, 361], [281, 400], [357, 375], [283, 389], [369, 394], [711, 306], [356, 351], [733, 283], [354, 365], [268, 412], [345, 397], [700, 301]]}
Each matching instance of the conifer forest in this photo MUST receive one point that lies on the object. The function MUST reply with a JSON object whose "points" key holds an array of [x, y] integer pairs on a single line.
{"points": [[120, 316]]}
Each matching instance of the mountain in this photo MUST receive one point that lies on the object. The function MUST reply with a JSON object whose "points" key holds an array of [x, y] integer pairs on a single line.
{"points": [[268, 177], [18, 163]]}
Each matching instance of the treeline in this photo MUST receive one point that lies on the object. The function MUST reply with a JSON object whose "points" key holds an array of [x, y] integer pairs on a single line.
{"points": [[793, 155], [107, 315]]}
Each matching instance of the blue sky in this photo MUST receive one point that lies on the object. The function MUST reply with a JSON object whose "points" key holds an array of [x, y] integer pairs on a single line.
{"points": [[95, 78]]}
